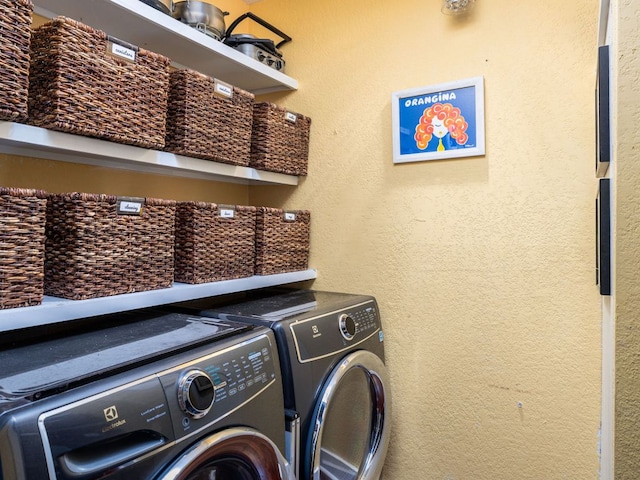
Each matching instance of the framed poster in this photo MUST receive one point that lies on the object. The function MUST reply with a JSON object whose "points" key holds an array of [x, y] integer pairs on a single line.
{"points": [[603, 237], [603, 124], [439, 121]]}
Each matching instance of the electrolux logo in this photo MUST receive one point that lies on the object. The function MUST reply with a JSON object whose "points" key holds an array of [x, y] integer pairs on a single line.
{"points": [[316, 331], [111, 413]]}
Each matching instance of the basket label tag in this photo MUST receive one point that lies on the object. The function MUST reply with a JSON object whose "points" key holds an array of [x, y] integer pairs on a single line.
{"points": [[121, 52], [289, 216], [222, 89], [290, 117], [129, 205], [227, 211]]}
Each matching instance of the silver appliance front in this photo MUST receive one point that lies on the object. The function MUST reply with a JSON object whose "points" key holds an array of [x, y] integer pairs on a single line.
{"points": [[331, 349], [136, 395], [350, 434]]}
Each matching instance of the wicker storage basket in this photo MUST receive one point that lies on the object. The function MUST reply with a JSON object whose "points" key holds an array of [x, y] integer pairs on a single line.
{"points": [[280, 140], [22, 227], [78, 85], [92, 250], [282, 241], [15, 35], [208, 119], [214, 242]]}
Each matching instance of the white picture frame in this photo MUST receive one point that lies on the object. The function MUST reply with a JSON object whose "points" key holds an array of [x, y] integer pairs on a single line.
{"points": [[439, 122]]}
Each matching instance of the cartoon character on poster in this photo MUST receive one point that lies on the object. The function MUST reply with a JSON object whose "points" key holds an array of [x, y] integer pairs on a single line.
{"points": [[442, 127], [438, 123]]}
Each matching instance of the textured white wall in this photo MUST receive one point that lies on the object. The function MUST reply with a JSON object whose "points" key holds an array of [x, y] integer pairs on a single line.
{"points": [[483, 267]]}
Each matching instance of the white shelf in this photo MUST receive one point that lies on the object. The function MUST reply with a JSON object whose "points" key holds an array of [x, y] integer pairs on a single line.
{"points": [[26, 140], [139, 24], [57, 310], [146, 27]]}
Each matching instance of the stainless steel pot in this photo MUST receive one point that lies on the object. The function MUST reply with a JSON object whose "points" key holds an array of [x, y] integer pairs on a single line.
{"points": [[200, 15]]}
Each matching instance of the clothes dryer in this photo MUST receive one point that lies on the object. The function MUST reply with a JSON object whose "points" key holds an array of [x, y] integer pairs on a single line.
{"points": [[332, 357], [143, 395]]}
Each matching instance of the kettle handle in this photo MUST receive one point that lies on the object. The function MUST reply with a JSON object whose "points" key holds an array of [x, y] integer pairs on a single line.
{"points": [[286, 38]]}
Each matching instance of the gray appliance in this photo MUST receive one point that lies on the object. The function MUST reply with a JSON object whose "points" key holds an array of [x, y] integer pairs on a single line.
{"points": [[142, 395], [332, 357]]}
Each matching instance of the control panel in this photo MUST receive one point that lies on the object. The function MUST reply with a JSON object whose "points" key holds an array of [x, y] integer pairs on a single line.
{"points": [[336, 331], [262, 55], [202, 391]]}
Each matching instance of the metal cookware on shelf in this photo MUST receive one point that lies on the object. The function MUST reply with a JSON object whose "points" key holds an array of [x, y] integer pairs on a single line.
{"points": [[262, 49], [203, 16]]}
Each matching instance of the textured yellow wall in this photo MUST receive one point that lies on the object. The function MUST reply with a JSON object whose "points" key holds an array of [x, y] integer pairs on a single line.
{"points": [[483, 267], [59, 177], [626, 66]]}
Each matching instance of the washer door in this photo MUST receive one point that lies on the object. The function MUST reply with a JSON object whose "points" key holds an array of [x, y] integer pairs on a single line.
{"points": [[351, 425], [232, 454]]}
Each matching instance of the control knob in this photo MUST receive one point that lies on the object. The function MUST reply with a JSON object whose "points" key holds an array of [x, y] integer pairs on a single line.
{"points": [[347, 326], [196, 393]]}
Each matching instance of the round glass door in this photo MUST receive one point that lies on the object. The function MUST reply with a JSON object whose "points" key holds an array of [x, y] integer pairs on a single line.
{"points": [[351, 427], [232, 454]]}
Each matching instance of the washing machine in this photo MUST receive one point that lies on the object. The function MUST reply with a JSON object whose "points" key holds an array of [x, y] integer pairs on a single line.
{"points": [[149, 394], [332, 358]]}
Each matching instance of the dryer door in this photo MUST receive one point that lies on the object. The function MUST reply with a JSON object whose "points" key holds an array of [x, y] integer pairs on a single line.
{"points": [[234, 454], [351, 425]]}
